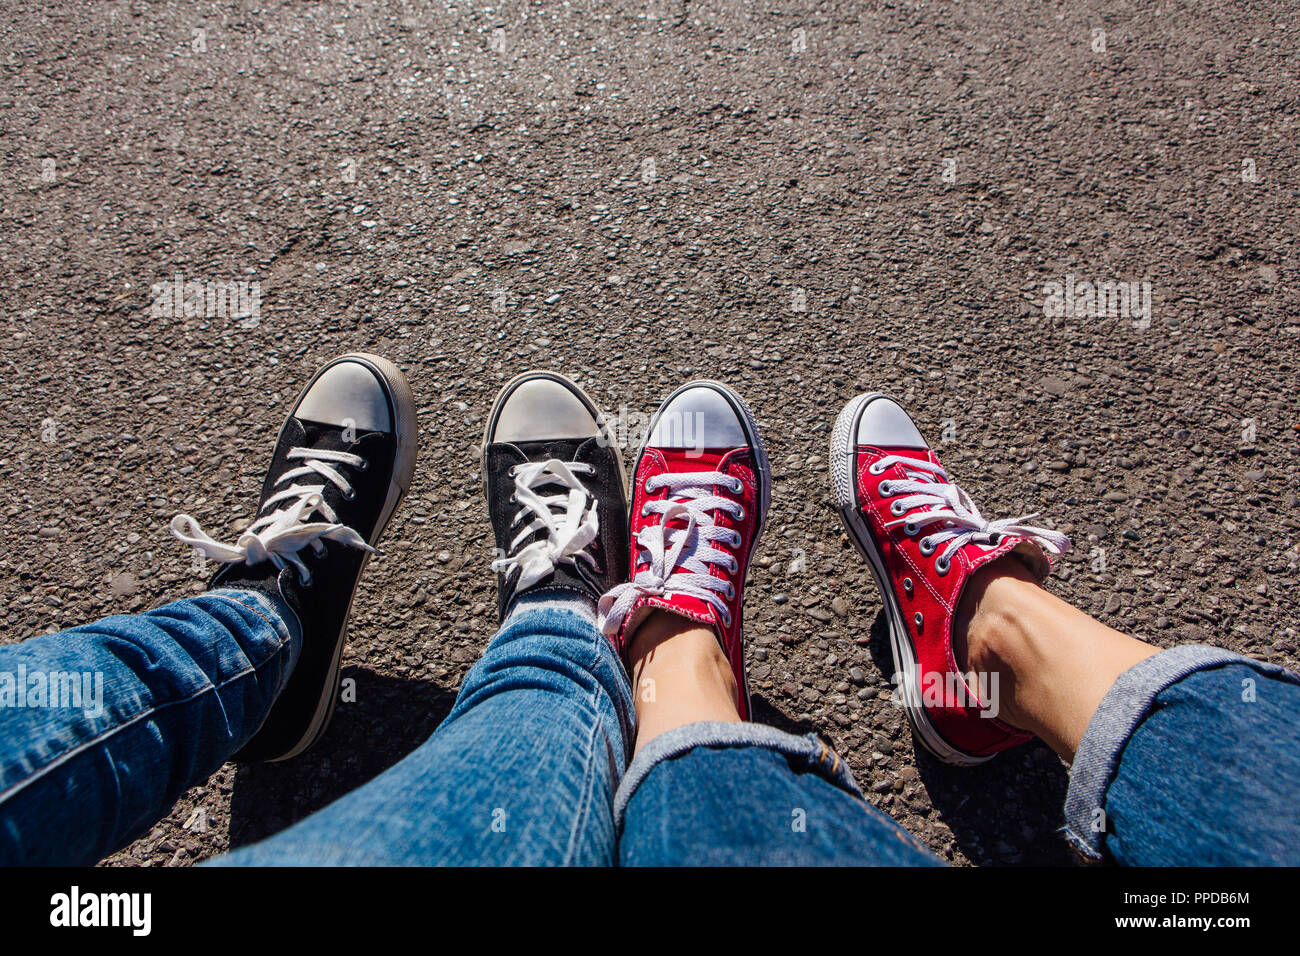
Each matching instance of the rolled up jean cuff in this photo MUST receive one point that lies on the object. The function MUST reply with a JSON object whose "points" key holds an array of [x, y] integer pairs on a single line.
{"points": [[1118, 716], [809, 752], [276, 612]]}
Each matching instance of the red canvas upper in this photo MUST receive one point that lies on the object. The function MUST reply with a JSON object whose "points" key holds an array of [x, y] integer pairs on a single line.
{"points": [[960, 717], [738, 463]]}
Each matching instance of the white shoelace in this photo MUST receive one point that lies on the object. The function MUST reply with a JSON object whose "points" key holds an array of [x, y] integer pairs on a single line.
{"points": [[680, 557], [961, 520], [280, 535], [570, 520]]}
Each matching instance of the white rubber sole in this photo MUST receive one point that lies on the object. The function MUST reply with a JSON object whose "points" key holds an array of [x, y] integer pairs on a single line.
{"points": [[399, 391], [844, 483], [755, 436]]}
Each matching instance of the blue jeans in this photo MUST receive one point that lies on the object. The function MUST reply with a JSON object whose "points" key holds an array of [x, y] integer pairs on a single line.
{"points": [[1192, 758]]}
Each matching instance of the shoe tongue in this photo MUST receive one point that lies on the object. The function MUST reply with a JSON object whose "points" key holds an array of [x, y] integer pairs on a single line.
{"points": [[328, 437], [693, 459], [920, 454], [689, 460], [565, 449], [314, 436]]}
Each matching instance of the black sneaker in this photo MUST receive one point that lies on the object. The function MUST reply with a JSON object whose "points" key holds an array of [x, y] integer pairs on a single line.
{"points": [[555, 489], [343, 460]]}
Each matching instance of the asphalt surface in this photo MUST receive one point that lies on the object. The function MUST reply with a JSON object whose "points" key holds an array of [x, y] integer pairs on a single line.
{"points": [[804, 200]]}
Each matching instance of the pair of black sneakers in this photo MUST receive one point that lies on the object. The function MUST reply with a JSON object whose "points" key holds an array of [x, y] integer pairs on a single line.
{"points": [[556, 497]]}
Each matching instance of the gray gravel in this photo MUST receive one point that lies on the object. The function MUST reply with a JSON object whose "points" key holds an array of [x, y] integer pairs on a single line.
{"points": [[634, 195]]}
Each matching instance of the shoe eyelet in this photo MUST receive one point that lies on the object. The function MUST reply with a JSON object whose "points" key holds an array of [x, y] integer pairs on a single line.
{"points": [[364, 465], [919, 620], [731, 590], [737, 486], [645, 512], [896, 508], [514, 470], [513, 499], [350, 494], [927, 547], [735, 565], [910, 529], [740, 513], [941, 567], [874, 468], [883, 489], [726, 618], [736, 539], [907, 586]]}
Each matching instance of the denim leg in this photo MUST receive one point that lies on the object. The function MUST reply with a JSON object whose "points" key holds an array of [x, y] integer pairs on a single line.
{"points": [[522, 771], [728, 794], [1192, 759], [103, 726]]}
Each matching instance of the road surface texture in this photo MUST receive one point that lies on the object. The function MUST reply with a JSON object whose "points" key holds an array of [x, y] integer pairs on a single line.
{"points": [[806, 200]]}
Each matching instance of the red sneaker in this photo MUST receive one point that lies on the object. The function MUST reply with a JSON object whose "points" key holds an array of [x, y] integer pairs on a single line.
{"points": [[700, 495], [923, 538]]}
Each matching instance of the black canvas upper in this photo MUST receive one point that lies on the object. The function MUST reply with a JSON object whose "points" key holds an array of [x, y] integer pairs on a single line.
{"points": [[322, 606], [610, 549]]}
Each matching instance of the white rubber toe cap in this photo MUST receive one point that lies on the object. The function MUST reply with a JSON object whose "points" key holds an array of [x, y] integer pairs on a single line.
{"points": [[883, 423], [698, 417], [542, 409], [347, 393]]}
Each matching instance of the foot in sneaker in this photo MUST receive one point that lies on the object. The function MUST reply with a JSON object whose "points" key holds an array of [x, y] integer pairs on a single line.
{"points": [[554, 483], [343, 460], [701, 493], [923, 539]]}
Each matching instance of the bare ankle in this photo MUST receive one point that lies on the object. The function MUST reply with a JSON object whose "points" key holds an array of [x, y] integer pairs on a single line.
{"points": [[985, 620], [669, 641], [988, 628], [1054, 663], [680, 675]]}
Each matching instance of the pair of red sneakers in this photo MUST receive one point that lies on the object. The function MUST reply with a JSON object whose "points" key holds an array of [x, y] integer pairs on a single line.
{"points": [[701, 495]]}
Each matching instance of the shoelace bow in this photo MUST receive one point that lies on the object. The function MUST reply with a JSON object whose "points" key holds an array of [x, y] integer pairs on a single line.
{"points": [[680, 556], [569, 519], [952, 508], [279, 536]]}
